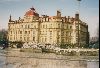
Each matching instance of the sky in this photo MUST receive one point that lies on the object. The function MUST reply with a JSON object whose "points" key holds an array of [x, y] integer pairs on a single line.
{"points": [[89, 10]]}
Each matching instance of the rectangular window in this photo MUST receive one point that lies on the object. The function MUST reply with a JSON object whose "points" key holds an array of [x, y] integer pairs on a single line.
{"points": [[31, 26], [42, 39], [66, 33], [11, 32], [76, 39], [62, 40], [70, 27], [76, 33], [50, 32], [29, 32], [28, 26], [25, 32], [33, 38], [40, 32], [20, 32], [25, 26], [70, 33], [20, 38], [10, 38], [16, 32], [58, 25], [21, 26], [33, 32], [45, 39], [46, 26], [50, 38], [14, 37], [34, 26], [50, 25], [58, 33], [28, 38], [62, 33], [76, 26], [43, 26], [24, 38]]}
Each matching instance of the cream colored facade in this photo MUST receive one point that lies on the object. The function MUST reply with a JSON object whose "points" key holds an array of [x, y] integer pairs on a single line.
{"points": [[46, 29]]}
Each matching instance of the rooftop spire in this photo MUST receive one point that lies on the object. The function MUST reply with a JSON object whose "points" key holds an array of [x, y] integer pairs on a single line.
{"points": [[32, 8]]}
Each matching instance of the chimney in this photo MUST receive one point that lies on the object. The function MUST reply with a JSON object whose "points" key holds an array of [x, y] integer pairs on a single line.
{"points": [[68, 18], [77, 16], [19, 18], [58, 13], [10, 19], [65, 18]]}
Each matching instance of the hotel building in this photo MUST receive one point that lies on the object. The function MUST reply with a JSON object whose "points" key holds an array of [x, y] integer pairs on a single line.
{"points": [[48, 29]]}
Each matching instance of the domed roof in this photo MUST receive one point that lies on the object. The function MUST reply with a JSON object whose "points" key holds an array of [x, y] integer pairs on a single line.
{"points": [[31, 12]]}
